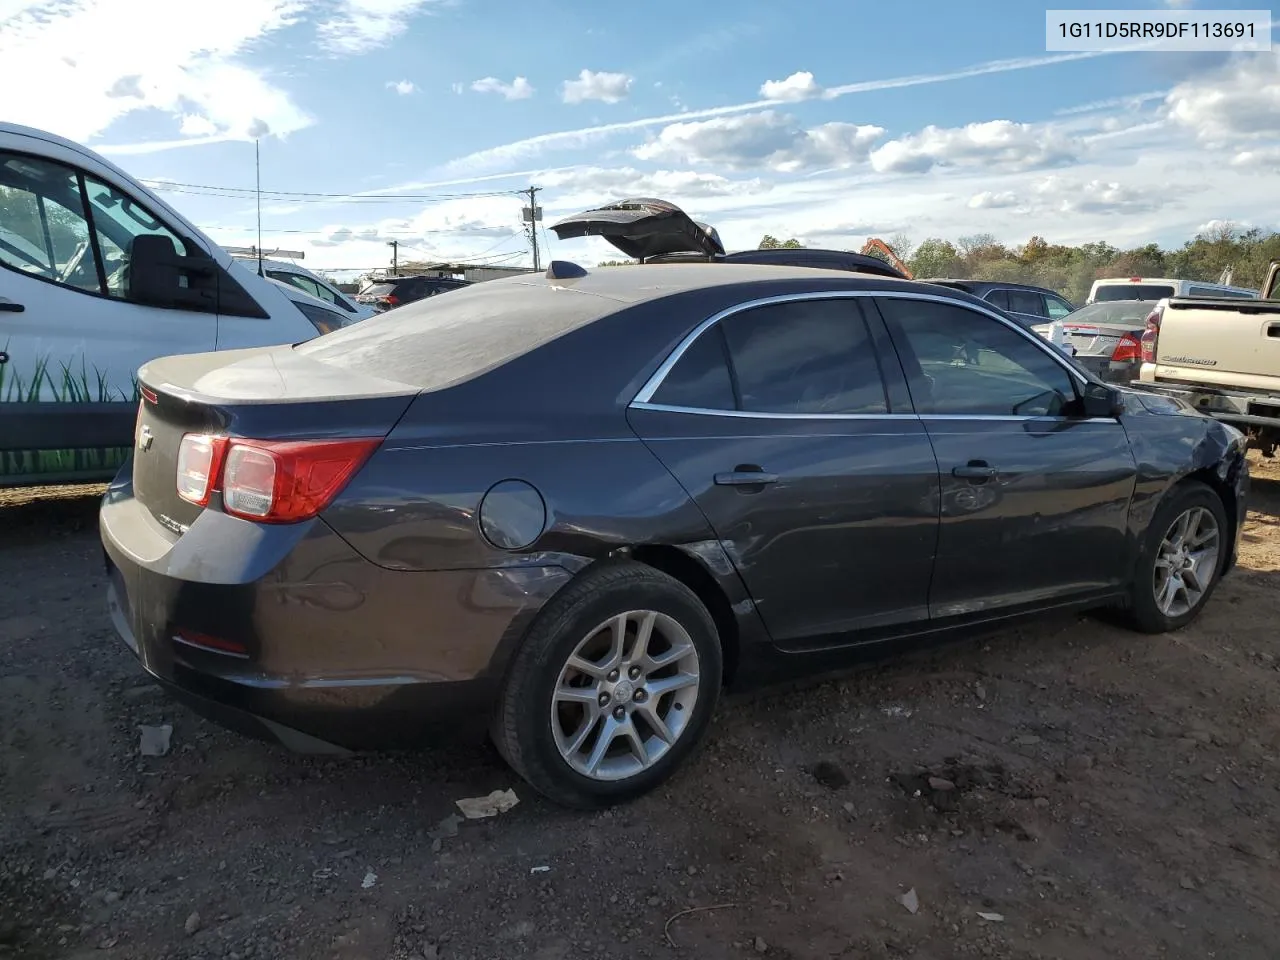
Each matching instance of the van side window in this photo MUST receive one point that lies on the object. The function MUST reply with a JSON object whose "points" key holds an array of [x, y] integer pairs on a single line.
{"points": [[43, 228], [117, 220]]}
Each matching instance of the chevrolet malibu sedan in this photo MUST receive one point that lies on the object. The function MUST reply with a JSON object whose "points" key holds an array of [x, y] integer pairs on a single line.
{"points": [[570, 509]]}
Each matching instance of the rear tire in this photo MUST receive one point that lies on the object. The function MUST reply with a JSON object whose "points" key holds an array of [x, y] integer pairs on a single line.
{"points": [[1180, 561], [612, 688]]}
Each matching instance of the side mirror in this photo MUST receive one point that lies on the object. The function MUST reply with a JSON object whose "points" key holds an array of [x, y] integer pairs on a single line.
{"points": [[1100, 400], [161, 277]]}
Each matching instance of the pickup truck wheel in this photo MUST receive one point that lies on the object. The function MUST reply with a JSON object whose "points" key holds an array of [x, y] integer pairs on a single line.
{"points": [[1180, 561]]}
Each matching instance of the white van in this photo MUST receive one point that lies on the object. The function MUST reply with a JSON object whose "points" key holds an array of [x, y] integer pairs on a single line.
{"points": [[98, 275], [308, 282], [1148, 288]]}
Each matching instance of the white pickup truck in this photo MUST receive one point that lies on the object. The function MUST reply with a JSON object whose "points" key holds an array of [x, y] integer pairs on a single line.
{"points": [[1222, 356]]}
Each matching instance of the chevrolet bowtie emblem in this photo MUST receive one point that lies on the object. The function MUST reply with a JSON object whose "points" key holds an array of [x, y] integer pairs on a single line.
{"points": [[145, 439]]}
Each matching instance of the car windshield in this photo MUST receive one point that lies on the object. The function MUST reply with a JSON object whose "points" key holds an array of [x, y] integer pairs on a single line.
{"points": [[1133, 291]]}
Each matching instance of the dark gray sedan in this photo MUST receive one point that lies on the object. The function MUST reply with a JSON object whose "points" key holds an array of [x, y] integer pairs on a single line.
{"points": [[570, 508], [1106, 338]]}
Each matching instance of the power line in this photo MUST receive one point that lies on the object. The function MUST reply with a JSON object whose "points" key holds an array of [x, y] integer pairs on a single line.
{"points": [[173, 186]]}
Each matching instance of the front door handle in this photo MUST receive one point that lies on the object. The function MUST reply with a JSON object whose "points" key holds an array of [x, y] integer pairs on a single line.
{"points": [[8, 306], [975, 470], [745, 478]]}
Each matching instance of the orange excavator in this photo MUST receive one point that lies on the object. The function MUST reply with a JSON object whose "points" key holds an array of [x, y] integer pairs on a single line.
{"points": [[876, 245]]}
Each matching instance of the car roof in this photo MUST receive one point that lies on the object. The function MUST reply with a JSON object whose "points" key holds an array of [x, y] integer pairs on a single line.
{"points": [[1002, 284], [636, 283]]}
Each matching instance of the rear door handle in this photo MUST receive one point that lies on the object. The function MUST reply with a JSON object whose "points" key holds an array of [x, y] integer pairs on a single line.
{"points": [[745, 478], [8, 306], [975, 470]]}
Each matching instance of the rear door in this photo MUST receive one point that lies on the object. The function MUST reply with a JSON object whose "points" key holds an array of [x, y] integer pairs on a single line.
{"points": [[1027, 306], [1035, 500], [815, 476]]}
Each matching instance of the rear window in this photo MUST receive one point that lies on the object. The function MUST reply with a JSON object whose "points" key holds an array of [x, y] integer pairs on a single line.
{"points": [[379, 290], [1133, 291], [441, 341]]}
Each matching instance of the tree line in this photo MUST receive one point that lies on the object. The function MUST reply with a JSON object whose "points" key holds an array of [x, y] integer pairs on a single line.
{"points": [[1071, 270]]}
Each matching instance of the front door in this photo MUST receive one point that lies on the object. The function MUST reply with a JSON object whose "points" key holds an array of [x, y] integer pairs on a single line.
{"points": [[775, 420], [1035, 498], [71, 340]]}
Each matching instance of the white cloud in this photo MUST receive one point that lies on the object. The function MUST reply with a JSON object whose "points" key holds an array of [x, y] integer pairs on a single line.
{"points": [[590, 85], [1262, 158], [577, 188], [761, 140], [194, 125], [402, 87], [1073, 196], [566, 139], [517, 89], [993, 200], [798, 86], [1016, 146], [72, 50], [358, 26], [1240, 101]]}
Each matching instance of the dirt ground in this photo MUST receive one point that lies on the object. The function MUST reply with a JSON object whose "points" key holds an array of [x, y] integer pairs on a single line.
{"points": [[1095, 794]]}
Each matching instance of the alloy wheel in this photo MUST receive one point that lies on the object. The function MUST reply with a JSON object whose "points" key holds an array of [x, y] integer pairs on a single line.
{"points": [[1187, 562], [625, 695]]}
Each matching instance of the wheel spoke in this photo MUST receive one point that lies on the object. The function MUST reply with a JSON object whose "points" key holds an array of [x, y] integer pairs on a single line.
{"points": [[618, 635], [1167, 592], [583, 732], [659, 726], [1183, 527], [608, 733], [588, 667], [644, 631], [628, 730], [585, 696], [660, 688], [677, 653]]}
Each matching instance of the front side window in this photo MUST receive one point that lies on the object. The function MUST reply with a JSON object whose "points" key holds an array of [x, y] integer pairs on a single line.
{"points": [[117, 220], [798, 357], [43, 228], [973, 365], [1056, 308]]}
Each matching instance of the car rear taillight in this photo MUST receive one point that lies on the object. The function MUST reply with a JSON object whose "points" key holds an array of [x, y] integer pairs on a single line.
{"points": [[199, 459], [287, 481], [1128, 349], [391, 300], [272, 481], [1151, 335]]}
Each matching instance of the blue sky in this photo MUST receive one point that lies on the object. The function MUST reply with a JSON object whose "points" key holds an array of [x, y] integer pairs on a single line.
{"points": [[756, 116]]}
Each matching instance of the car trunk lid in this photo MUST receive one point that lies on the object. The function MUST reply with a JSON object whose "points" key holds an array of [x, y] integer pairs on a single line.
{"points": [[268, 393], [643, 227]]}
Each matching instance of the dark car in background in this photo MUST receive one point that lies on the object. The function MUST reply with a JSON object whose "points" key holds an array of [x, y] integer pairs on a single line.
{"points": [[393, 292], [1106, 338], [1027, 304], [569, 508]]}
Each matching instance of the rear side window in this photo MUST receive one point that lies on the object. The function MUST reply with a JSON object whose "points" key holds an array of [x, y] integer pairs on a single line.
{"points": [[998, 298], [805, 356], [801, 357], [1026, 301], [700, 379]]}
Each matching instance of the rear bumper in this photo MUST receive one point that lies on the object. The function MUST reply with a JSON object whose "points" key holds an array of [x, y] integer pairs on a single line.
{"points": [[1108, 370], [1240, 409], [337, 652]]}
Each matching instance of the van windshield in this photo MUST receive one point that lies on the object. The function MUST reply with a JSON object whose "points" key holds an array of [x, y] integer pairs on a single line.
{"points": [[1132, 291]]}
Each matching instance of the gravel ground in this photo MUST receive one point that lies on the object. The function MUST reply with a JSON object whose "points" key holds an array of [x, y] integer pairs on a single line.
{"points": [[1064, 789]]}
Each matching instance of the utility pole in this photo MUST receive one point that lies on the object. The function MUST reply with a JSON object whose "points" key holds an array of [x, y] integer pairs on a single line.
{"points": [[395, 257], [533, 216]]}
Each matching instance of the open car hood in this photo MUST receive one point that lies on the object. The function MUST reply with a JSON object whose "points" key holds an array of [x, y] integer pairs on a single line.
{"points": [[642, 228]]}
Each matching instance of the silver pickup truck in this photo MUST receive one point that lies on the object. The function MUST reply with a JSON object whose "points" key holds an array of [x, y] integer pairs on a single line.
{"points": [[1222, 356]]}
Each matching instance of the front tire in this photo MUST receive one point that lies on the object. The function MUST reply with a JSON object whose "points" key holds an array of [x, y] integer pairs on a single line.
{"points": [[1181, 559], [612, 689]]}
